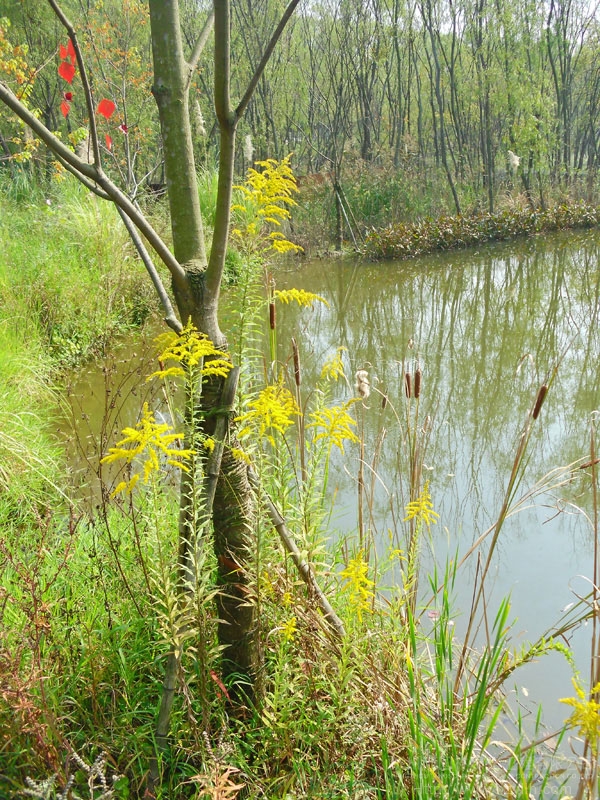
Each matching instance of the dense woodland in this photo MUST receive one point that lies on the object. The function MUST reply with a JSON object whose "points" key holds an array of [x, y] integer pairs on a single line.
{"points": [[380, 93]]}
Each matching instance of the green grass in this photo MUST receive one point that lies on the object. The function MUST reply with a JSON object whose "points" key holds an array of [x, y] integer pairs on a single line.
{"points": [[67, 272]]}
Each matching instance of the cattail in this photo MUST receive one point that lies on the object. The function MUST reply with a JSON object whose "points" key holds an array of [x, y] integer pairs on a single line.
{"points": [[272, 315], [408, 384], [539, 401], [362, 385], [297, 374], [199, 119], [418, 382], [384, 401], [248, 148]]}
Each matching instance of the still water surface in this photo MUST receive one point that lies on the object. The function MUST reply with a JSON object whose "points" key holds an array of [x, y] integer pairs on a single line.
{"points": [[487, 328]]}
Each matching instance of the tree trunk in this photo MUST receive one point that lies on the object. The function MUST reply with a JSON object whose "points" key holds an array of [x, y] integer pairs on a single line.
{"points": [[197, 298]]}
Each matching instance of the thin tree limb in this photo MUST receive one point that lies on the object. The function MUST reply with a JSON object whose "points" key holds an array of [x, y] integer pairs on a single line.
{"points": [[199, 47], [170, 316], [335, 623], [265, 58]]}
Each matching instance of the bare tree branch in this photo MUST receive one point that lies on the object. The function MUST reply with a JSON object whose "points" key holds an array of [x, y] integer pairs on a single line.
{"points": [[265, 58], [199, 47], [335, 623], [170, 316]]}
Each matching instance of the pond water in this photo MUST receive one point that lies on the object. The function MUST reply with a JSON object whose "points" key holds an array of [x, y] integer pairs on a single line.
{"points": [[486, 328]]}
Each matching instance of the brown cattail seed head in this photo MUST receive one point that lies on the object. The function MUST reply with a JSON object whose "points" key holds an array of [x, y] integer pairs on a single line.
{"points": [[408, 384], [418, 382], [539, 401], [297, 373], [272, 315], [384, 401]]}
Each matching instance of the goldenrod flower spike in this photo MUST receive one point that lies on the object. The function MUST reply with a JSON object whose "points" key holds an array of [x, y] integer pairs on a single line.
{"points": [[273, 409], [268, 193], [335, 424], [190, 348], [421, 509], [586, 714], [148, 439], [358, 584], [299, 296], [333, 369], [289, 629]]}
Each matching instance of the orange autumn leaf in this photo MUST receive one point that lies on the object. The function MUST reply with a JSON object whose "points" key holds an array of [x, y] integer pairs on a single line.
{"points": [[68, 52], [65, 108], [67, 71], [106, 108]]}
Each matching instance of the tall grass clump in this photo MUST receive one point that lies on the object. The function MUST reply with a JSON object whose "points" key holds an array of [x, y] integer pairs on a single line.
{"points": [[67, 271]]}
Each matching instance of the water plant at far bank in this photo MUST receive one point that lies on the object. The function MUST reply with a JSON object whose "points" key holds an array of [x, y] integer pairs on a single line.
{"points": [[405, 240]]}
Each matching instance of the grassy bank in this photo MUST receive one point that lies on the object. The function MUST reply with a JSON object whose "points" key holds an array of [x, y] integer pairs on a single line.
{"points": [[448, 233], [396, 708], [68, 277]]}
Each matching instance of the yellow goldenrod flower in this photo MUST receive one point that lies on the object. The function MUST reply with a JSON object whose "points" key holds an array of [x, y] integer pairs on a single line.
{"points": [[266, 584], [421, 509], [287, 599], [397, 554], [282, 245], [148, 439], [358, 584], [268, 193], [190, 348], [333, 369], [271, 188], [273, 409], [586, 714], [240, 455], [289, 629], [299, 296], [336, 424], [209, 443]]}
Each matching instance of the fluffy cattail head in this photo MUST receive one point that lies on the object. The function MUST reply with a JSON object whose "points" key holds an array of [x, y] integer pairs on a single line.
{"points": [[248, 148], [362, 385]]}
